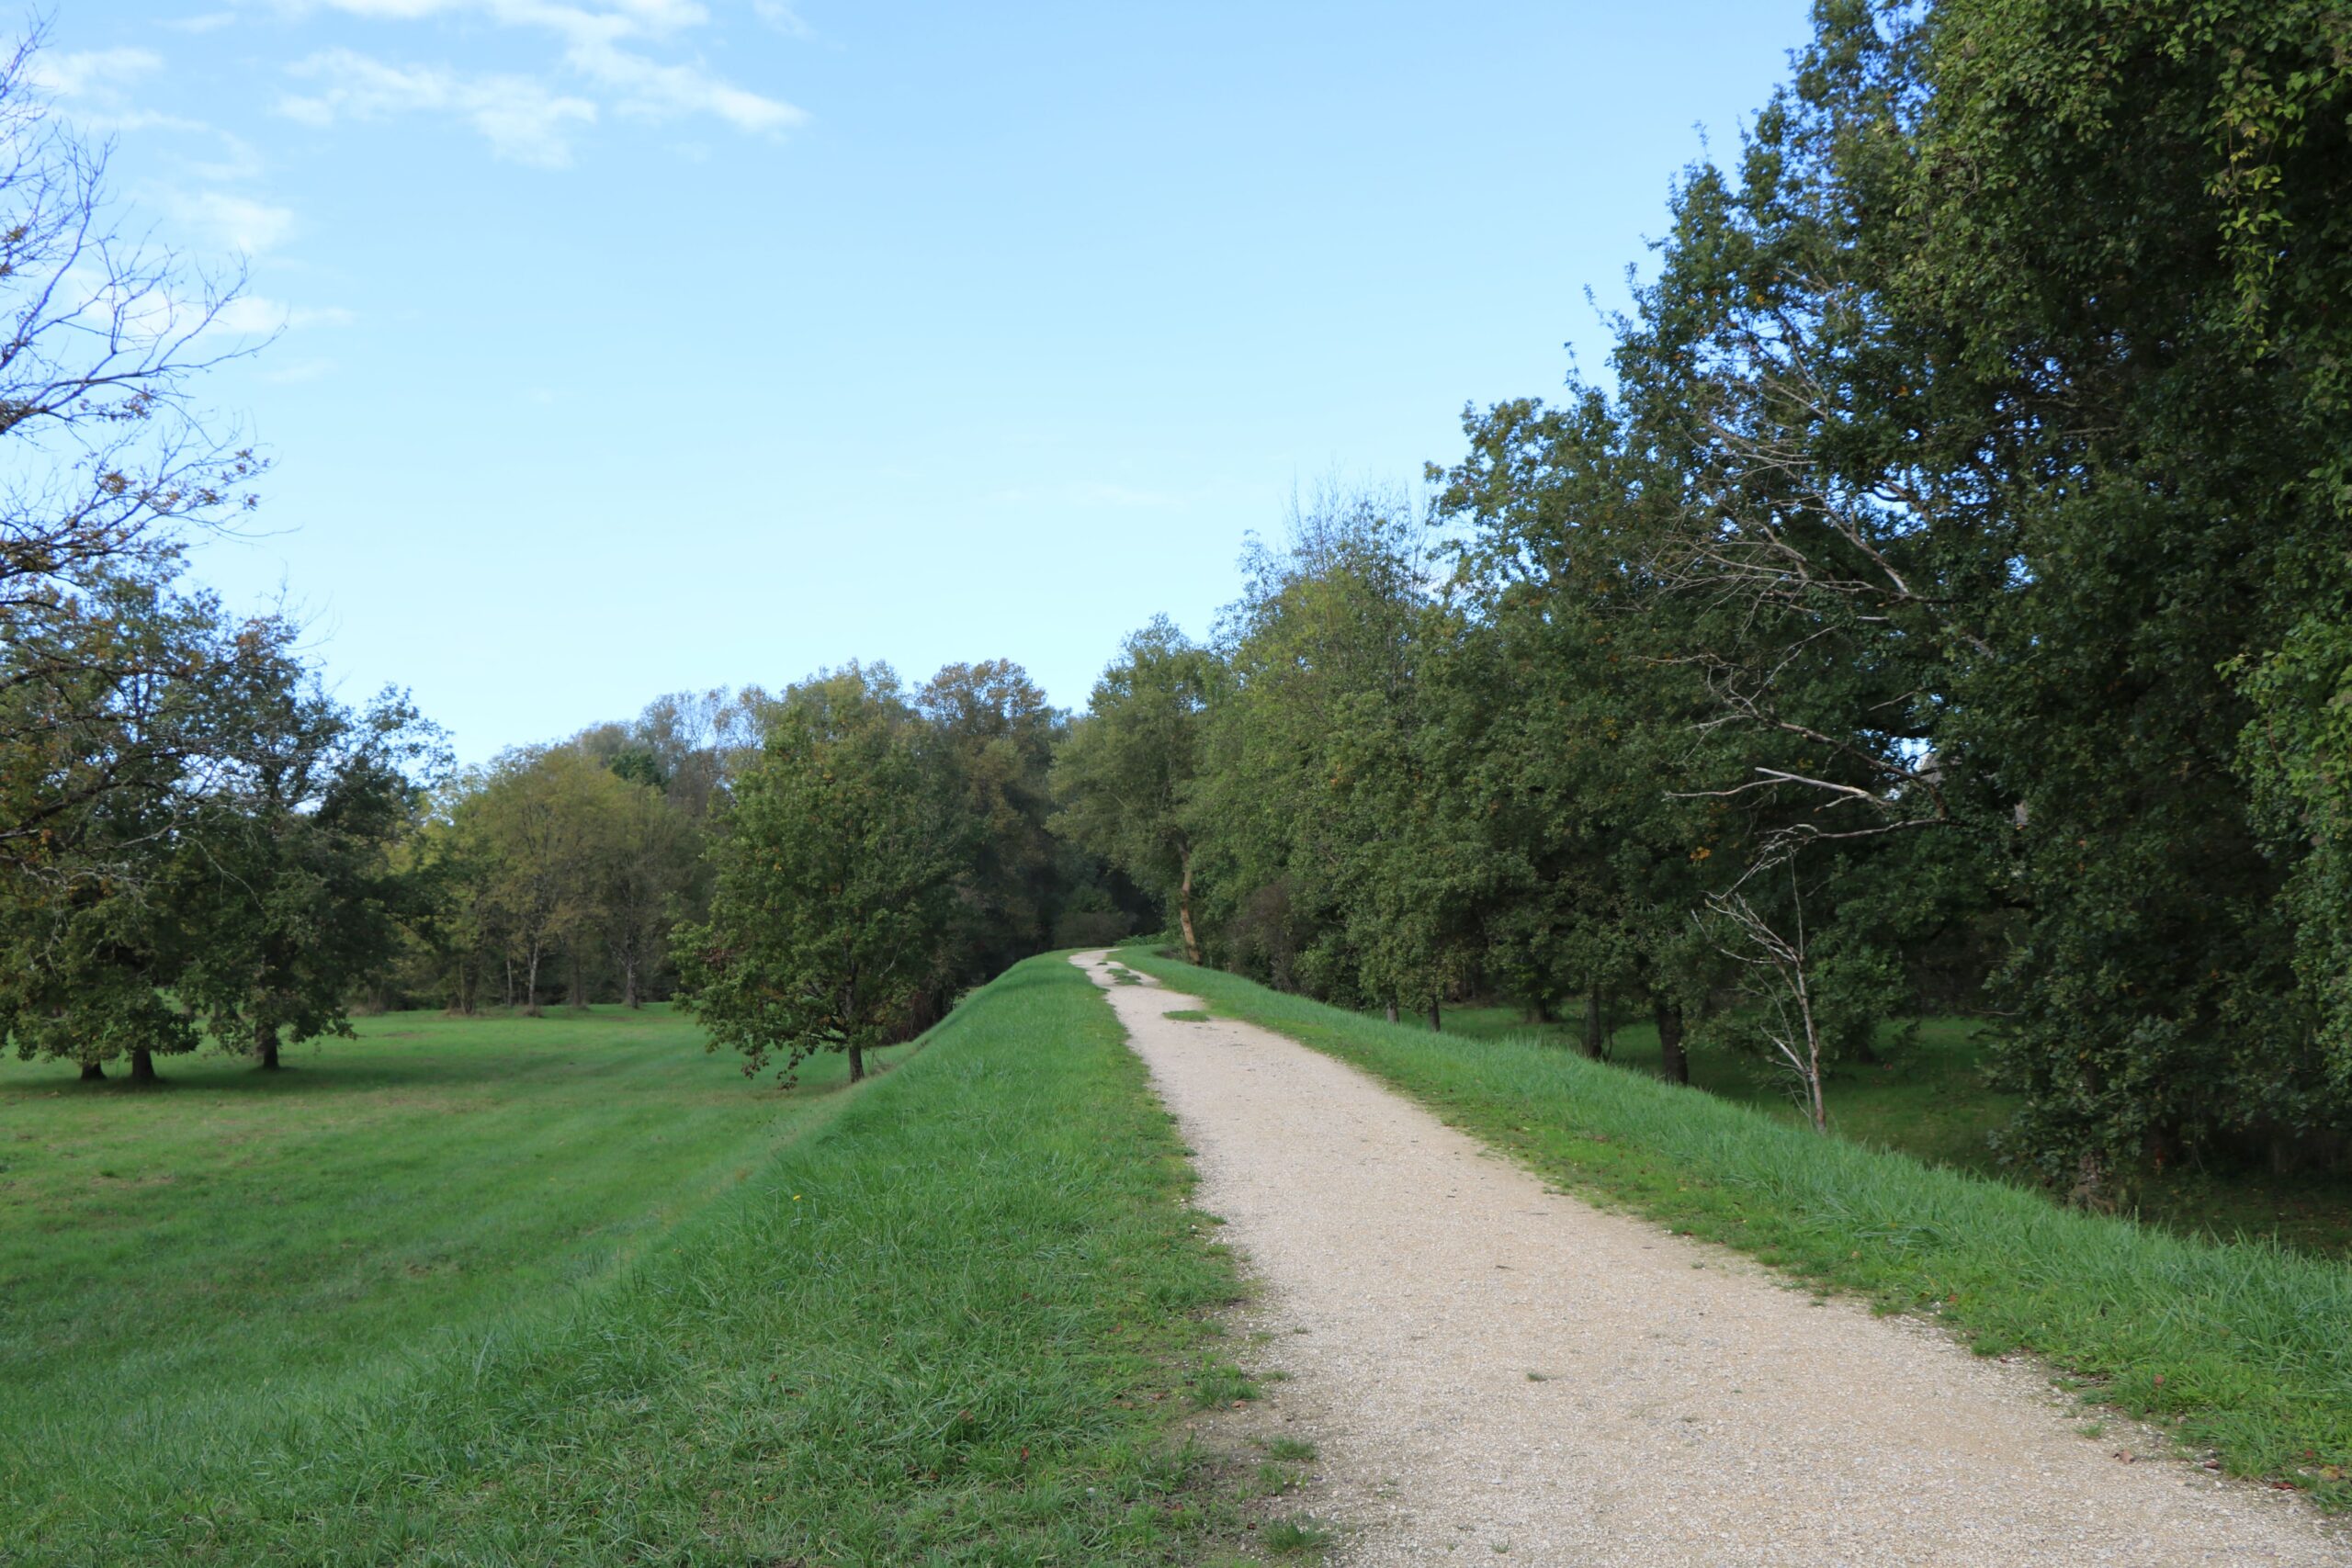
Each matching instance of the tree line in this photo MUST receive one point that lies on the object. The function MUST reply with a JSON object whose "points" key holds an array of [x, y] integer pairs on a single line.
{"points": [[199, 841], [1945, 601], [589, 870]]}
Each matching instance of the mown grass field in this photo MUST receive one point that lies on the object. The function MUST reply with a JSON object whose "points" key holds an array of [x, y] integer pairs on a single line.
{"points": [[235, 1237], [569, 1290], [1929, 1099], [2236, 1348]]}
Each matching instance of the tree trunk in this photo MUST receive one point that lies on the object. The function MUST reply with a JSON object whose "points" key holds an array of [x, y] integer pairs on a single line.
{"points": [[1437, 1024], [856, 1063], [531, 984], [1184, 911], [91, 1071], [1392, 1010], [628, 981], [1669, 1044], [1596, 1032], [266, 1050], [577, 992], [142, 1065]]}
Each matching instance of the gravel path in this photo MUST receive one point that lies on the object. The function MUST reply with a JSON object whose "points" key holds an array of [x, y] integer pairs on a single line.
{"points": [[1493, 1371]]}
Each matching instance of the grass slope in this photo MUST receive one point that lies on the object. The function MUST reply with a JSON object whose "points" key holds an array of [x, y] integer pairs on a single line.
{"points": [[1931, 1098], [2241, 1347], [235, 1237], [953, 1324]]}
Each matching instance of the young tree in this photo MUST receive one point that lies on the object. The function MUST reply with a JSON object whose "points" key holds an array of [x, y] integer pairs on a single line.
{"points": [[832, 906], [1123, 776]]}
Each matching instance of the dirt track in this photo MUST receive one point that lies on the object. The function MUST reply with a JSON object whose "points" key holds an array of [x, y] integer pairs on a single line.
{"points": [[1683, 1407]]}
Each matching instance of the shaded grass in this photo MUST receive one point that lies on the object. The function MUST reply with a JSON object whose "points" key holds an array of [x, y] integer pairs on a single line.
{"points": [[2238, 1346], [1931, 1098], [956, 1323]]}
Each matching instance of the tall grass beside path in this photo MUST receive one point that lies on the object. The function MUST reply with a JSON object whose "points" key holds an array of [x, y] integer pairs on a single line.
{"points": [[2242, 1348], [956, 1325]]}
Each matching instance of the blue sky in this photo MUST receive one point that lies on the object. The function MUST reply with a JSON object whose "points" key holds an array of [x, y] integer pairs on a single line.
{"points": [[633, 346]]}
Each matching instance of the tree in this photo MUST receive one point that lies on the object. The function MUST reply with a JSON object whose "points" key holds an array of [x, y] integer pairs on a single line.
{"points": [[535, 818], [123, 714], [832, 906], [296, 899], [1330, 795], [1578, 725], [645, 854], [1123, 776], [996, 733]]}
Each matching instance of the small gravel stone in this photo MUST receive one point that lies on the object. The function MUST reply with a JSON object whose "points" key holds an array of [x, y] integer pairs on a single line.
{"points": [[1677, 1416]]}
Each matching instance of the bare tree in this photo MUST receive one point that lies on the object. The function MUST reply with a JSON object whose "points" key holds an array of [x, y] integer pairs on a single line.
{"points": [[1780, 964], [104, 463], [1808, 565]]}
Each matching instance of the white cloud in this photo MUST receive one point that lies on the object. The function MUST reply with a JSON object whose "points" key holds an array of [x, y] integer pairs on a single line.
{"points": [[520, 117], [100, 73], [601, 45], [206, 22], [657, 92], [783, 18], [238, 222]]}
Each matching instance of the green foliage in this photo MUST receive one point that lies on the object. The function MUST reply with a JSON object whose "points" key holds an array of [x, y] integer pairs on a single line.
{"points": [[996, 734], [1351, 868], [832, 911], [1125, 775], [193, 828], [297, 898], [2299, 748]]}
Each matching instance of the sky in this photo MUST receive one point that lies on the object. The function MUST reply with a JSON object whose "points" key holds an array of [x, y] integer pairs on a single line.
{"points": [[629, 347]]}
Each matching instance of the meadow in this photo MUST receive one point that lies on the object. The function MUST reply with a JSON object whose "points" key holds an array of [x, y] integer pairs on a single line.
{"points": [[570, 1290], [236, 1238], [2236, 1348]]}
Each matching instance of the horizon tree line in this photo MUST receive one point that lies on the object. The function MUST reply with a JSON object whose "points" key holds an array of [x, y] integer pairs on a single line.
{"points": [[1944, 604]]}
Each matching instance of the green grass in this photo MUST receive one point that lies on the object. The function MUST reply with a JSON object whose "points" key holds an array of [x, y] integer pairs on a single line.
{"points": [[2239, 1346], [235, 1237], [951, 1317], [1931, 1098]]}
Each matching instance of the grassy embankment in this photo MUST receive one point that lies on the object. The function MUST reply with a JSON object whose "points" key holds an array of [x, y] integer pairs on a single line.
{"points": [[2238, 1348], [1931, 1098], [570, 1291]]}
